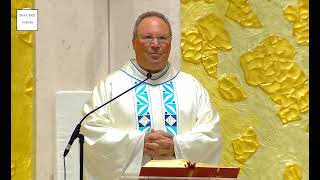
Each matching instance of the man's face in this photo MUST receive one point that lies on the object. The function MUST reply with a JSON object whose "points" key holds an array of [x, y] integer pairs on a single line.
{"points": [[152, 44]]}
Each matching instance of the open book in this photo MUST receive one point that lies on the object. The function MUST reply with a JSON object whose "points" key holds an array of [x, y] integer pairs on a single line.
{"points": [[184, 168]]}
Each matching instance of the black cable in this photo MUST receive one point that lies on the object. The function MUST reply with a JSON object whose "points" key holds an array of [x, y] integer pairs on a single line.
{"points": [[64, 167]]}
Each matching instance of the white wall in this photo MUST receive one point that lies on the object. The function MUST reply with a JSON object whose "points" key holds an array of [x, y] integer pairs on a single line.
{"points": [[67, 107], [73, 52]]}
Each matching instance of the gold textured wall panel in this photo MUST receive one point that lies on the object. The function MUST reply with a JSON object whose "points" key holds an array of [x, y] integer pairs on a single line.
{"points": [[264, 111], [21, 97]]}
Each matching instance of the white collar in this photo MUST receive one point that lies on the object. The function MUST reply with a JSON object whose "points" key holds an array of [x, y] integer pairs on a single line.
{"points": [[135, 71], [154, 75]]}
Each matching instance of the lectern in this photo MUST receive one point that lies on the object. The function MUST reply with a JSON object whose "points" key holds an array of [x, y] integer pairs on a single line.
{"points": [[184, 170]]}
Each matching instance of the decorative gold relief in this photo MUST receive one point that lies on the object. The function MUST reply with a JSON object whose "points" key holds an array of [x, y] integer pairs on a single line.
{"points": [[209, 59], [289, 113], [270, 66], [25, 37], [13, 168], [203, 47], [229, 88], [29, 87], [255, 110], [191, 43], [19, 4], [21, 96], [195, 50], [299, 17], [302, 94], [212, 30], [245, 146], [241, 12], [292, 172]]}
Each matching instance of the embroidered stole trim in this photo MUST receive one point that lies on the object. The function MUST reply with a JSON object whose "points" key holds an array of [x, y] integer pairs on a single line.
{"points": [[169, 108], [142, 106]]}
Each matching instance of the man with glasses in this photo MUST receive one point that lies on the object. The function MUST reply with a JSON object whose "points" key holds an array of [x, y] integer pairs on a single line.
{"points": [[168, 117]]}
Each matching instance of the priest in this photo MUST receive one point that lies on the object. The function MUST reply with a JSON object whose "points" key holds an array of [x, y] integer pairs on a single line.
{"points": [[170, 116]]}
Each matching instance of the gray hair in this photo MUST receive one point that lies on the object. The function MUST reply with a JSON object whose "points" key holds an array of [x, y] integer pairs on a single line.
{"points": [[150, 14]]}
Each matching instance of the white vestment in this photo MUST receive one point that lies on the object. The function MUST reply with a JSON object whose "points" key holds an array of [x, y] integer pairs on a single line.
{"points": [[172, 101]]}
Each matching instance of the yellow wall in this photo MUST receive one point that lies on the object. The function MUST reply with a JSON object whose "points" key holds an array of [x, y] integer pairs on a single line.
{"points": [[253, 58], [21, 97]]}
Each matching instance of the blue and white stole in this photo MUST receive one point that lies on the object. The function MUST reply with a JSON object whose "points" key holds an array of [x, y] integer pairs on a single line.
{"points": [[169, 107]]}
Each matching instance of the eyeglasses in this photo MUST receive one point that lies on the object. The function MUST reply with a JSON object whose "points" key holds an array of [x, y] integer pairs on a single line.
{"points": [[149, 39]]}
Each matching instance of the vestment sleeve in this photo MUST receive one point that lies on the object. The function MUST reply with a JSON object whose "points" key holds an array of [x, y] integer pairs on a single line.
{"points": [[108, 151], [203, 142]]}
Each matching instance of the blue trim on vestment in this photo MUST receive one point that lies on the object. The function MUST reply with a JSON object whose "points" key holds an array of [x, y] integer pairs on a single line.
{"points": [[143, 115], [169, 108]]}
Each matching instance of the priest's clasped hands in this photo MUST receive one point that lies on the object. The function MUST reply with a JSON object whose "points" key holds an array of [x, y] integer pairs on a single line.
{"points": [[158, 143]]}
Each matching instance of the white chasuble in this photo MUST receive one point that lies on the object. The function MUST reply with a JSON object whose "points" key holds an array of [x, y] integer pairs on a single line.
{"points": [[172, 101]]}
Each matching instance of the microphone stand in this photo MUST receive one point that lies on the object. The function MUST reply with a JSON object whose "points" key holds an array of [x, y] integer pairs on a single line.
{"points": [[76, 131], [81, 141]]}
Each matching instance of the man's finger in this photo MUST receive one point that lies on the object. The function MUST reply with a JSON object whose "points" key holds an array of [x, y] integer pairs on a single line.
{"points": [[163, 152], [158, 152], [165, 134], [152, 136], [164, 143], [152, 146], [148, 152]]}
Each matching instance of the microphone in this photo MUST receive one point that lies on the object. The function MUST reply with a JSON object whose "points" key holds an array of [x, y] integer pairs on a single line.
{"points": [[76, 131]]}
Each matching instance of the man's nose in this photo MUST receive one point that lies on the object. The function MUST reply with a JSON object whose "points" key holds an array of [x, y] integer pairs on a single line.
{"points": [[155, 42]]}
